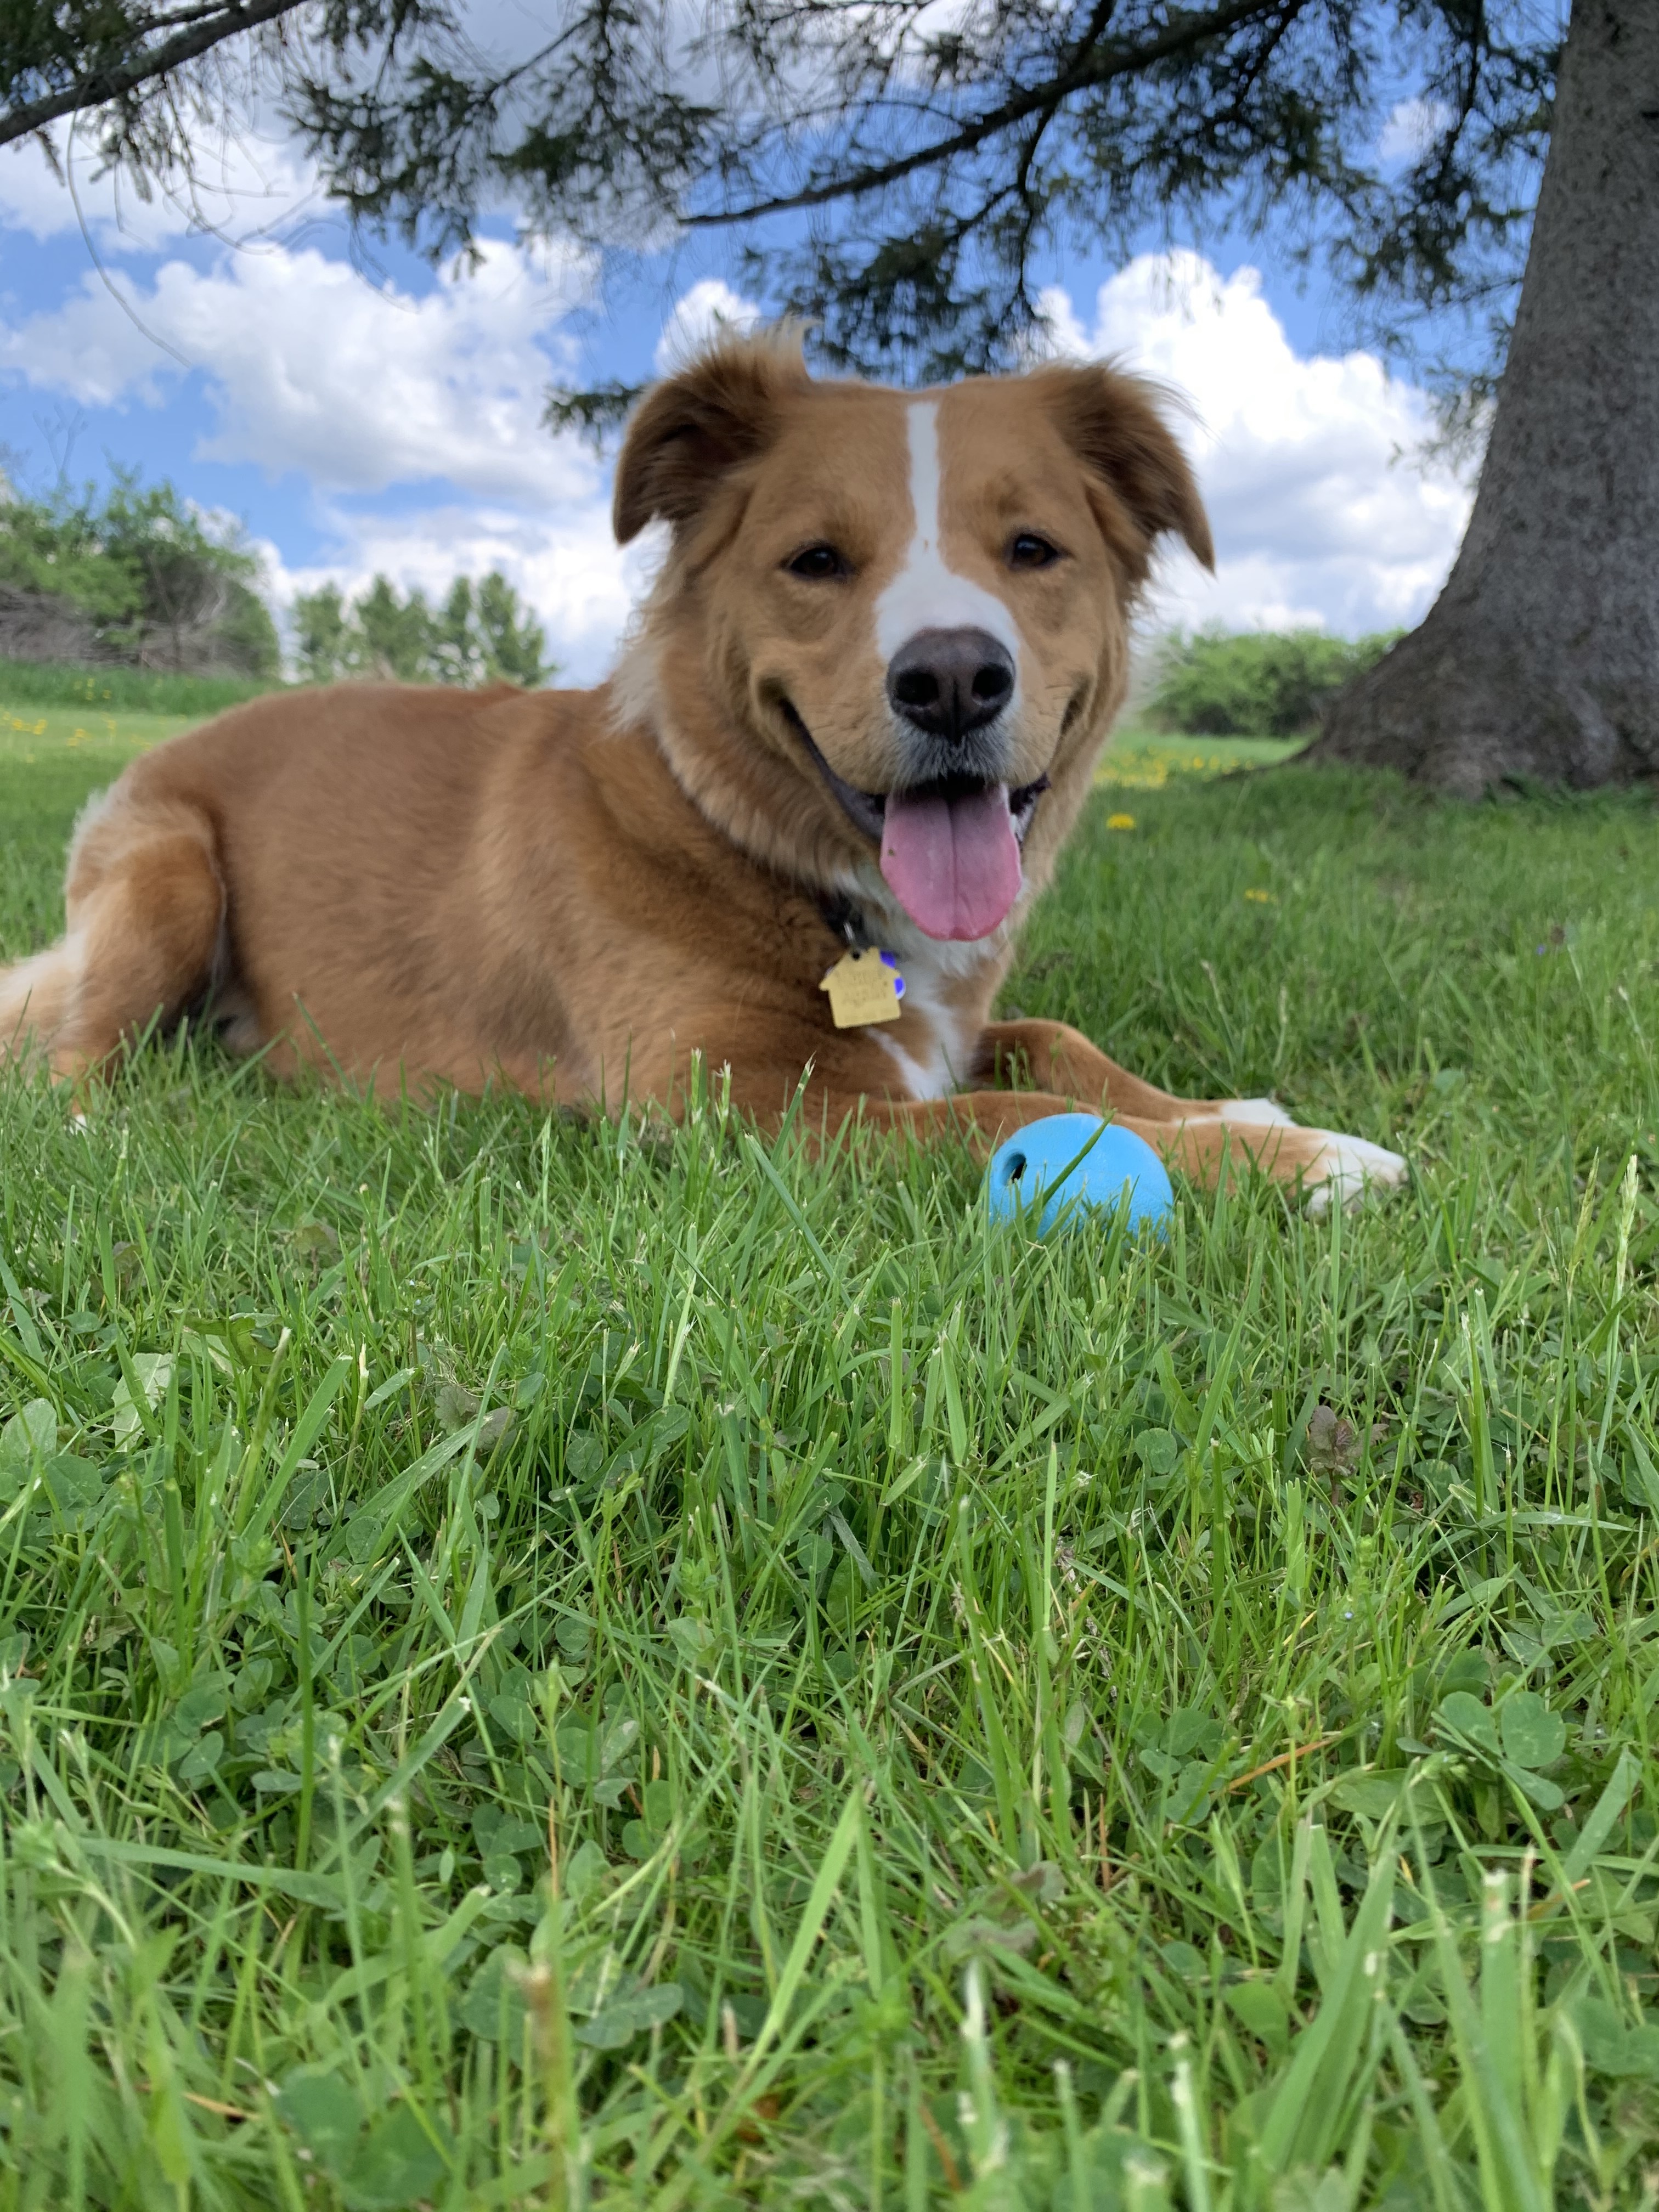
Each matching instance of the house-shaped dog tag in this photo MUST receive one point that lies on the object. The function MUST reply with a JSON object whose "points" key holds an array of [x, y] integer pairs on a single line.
{"points": [[864, 987]]}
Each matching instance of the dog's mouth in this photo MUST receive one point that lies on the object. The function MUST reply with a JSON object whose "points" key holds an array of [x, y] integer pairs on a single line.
{"points": [[950, 849]]}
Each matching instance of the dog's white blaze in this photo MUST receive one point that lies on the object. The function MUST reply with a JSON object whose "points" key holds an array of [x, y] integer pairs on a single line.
{"points": [[927, 593]]}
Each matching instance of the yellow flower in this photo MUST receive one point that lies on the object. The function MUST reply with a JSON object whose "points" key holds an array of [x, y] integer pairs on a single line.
{"points": [[1119, 821], [1261, 898]]}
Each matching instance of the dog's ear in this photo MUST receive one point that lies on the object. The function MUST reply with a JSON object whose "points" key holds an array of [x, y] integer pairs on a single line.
{"points": [[690, 430], [1115, 425]]}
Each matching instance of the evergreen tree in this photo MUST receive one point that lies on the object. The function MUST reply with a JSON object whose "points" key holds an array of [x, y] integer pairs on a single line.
{"points": [[512, 643], [320, 630], [475, 636]]}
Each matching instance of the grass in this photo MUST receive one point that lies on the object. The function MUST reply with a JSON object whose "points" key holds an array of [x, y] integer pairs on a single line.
{"points": [[123, 690], [1145, 760], [1113, 1724]]}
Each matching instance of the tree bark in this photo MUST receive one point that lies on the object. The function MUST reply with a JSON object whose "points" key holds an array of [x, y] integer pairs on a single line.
{"points": [[1540, 657]]}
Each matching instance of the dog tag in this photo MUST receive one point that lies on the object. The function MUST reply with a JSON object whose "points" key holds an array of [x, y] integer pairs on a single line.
{"points": [[864, 987]]}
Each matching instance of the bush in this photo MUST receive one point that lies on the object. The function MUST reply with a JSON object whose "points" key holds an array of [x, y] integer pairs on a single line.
{"points": [[131, 577], [1256, 683], [478, 635]]}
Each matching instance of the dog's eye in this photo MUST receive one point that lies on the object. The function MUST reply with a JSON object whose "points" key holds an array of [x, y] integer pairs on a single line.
{"points": [[817, 564], [1030, 551]]}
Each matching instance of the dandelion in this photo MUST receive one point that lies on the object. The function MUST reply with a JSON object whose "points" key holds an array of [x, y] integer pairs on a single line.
{"points": [[1261, 898], [1119, 821]]}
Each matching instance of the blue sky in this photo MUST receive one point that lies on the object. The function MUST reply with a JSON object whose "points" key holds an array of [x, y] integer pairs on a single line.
{"points": [[365, 412]]}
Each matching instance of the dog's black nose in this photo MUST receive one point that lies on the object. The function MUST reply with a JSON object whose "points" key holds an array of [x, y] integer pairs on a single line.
{"points": [[948, 682]]}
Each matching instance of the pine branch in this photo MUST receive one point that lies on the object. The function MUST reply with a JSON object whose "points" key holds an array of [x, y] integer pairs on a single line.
{"points": [[115, 80], [1092, 68]]}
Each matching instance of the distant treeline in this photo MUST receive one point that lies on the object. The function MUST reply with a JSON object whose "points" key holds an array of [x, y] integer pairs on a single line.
{"points": [[130, 577], [103, 590], [477, 635], [1255, 684]]}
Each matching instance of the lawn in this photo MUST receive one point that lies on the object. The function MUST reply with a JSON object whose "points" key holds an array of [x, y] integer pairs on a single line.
{"points": [[1145, 760], [542, 1663]]}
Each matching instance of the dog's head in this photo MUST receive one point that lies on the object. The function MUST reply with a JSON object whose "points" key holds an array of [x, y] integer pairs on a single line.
{"points": [[894, 626]]}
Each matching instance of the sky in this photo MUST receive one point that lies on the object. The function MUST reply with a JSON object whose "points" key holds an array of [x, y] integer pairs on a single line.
{"points": [[361, 412]]}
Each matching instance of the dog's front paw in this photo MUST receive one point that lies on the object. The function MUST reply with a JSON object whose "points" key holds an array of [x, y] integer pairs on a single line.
{"points": [[1350, 1169]]}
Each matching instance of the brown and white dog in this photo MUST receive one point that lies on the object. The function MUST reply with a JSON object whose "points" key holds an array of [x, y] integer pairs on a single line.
{"points": [[863, 706]]}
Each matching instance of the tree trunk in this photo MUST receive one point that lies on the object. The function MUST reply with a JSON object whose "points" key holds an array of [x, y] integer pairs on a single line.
{"points": [[1540, 657]]}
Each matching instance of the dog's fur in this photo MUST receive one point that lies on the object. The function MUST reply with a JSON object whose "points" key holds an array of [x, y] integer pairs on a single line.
{"points": [[576, 892]]}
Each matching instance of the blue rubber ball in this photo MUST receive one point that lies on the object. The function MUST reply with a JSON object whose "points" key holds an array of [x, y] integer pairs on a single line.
{"points": [[1052, 1172]]}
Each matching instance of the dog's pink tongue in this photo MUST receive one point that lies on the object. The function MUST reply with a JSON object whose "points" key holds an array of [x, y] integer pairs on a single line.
{"points": [[953, 862]]}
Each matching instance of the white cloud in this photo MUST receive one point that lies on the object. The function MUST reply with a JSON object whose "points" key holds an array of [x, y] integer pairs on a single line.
{"points": [[698, 314], [311, 368], [1317, 517], [246, 187], [32, 199], [1412, 128]]}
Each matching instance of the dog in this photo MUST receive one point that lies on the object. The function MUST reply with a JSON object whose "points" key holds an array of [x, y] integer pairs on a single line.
{"points": [[856, 719]]}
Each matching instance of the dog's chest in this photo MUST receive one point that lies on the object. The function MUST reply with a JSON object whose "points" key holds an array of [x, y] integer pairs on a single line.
{"points": [[948, 989], [932, 1045]]}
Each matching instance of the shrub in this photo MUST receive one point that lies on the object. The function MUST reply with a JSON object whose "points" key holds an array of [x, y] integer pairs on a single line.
{"points": [[478, 635], [133, 577], [1256, 683]]}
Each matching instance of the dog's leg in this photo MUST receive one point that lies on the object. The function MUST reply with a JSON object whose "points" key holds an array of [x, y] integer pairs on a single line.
{"points": [[1326, 1166], [1062, 1059], [145, 905], [1203, 1147], [984, 1118], [980, 1119], [1058, 1058]]}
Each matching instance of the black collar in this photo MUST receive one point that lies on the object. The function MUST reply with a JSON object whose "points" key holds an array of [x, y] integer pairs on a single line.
{"points": [[844, 919]]}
